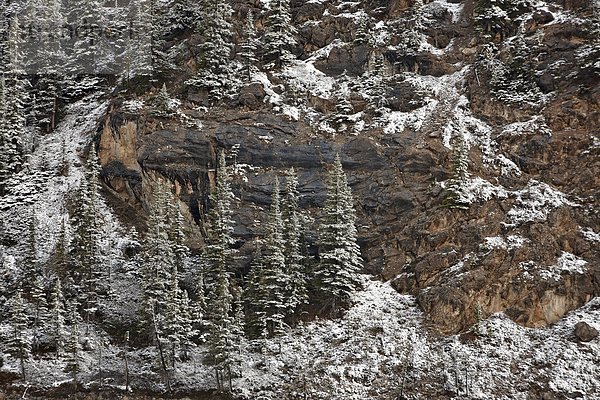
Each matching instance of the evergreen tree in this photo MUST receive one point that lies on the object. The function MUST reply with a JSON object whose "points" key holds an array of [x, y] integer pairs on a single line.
{"points": [[460, 171], [339, 253], [49, 59], [85, 250], [57, 322], [177, 320], [376, 84], [361, 33], [19, 344], [275, 280], [219, 257], [249, 47], [255, 296], [343, 106], [214, 61], [158, 263], [40, 310], [73, 347], [13, 96], [181, 252], [162, 102], [279, 34], [60, 256], [143, 50], [86, 48], [30, 265], [295, 268]]}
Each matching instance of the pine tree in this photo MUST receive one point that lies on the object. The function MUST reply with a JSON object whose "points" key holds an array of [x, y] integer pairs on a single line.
{"points": [[176, 234], [19, 345], [57, 322], [279, 34], [295, 267], [173, 320], [214, 61], [249, 47], [340, 260], [219, 257], [140, 50]]}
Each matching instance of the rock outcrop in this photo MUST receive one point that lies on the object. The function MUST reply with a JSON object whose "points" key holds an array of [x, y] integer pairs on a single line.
{"points": [[528, 248]]}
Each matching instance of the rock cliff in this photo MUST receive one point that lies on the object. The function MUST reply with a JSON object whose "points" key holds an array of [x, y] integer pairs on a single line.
{"points": [[528, 242]]}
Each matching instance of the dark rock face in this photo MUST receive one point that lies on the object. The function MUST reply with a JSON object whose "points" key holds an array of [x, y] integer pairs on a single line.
{"points": [[585, 332], [441, 256]]}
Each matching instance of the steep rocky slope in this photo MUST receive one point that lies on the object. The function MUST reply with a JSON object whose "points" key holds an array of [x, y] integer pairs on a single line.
{"points": [[527, 244]]}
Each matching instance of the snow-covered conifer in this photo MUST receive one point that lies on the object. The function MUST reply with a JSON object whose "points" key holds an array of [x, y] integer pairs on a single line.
{"points": [[162, 102], [279, 34], [219, 257], [19, 344], [339, 254], [460, 170], [57, 319], [214, 58], [276, 280], [255, 295], [295, 266], [40, 309], [249, 47]]}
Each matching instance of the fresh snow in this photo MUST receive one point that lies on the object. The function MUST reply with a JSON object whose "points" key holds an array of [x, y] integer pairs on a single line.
{"points": [[535, 201]]}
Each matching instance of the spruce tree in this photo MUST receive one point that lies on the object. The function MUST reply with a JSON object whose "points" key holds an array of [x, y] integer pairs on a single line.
{"points": [[13, 97], [30, 264], [19, 344], [276, 281], [60, 255], [162, 102], [340, 262], [361, 33], [279, 34], [158, 263], [249, 47], [49, 60], [214, 59], [460, 171], [40, 310], [57, 321], [73, 347], [295, 266], [219, 256], [85, 249], [255, 296]]}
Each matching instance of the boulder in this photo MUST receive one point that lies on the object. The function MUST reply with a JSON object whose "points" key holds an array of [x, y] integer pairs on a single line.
{"points": [[585, 332]]}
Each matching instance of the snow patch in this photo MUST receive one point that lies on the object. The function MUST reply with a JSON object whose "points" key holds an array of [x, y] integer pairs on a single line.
{"points": [[304, 75], [535, 201], [508, 243], [590, 235], [567, 263]]}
